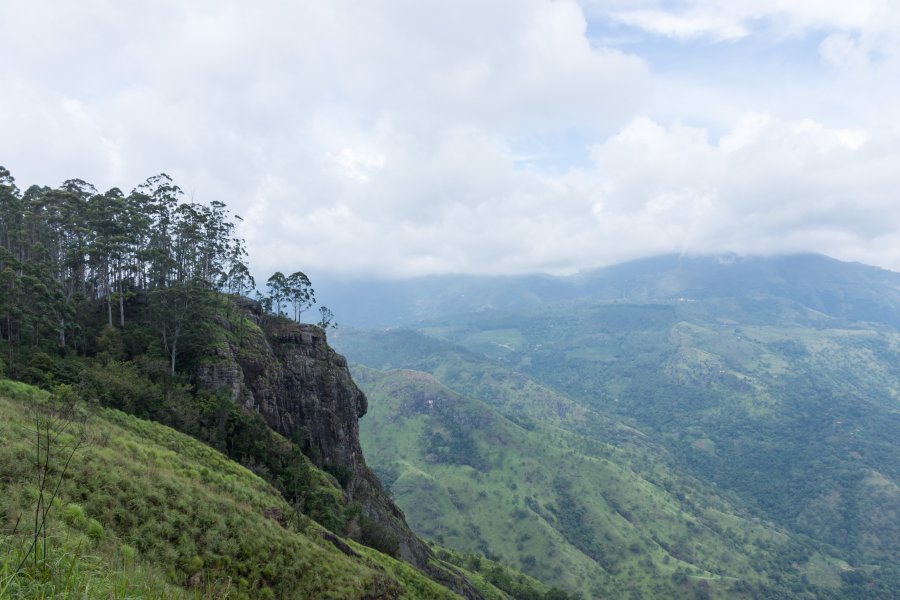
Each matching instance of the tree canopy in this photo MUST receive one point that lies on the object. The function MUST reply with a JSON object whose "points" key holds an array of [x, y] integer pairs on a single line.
{"points": [[65, 248]]}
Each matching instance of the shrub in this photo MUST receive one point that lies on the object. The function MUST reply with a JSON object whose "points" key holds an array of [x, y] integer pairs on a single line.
{"points": [[75, 517], [95, 529], [374, 535]]}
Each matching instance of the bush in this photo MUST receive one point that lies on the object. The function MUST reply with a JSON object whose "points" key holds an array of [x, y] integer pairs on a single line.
{"points": [[95, 530], [343, 474], [75, 517], [374, 535]]}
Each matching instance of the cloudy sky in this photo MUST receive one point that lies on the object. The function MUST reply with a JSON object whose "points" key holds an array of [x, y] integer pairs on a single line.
{"points": [[401, 137]]}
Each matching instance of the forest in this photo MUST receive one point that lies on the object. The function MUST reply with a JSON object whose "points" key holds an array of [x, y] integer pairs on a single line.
{"points": [[65, 251], [115, 298]]}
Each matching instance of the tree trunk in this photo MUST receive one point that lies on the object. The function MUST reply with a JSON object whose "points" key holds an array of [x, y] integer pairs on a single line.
{"points": [[174, 344], [121, 306]]}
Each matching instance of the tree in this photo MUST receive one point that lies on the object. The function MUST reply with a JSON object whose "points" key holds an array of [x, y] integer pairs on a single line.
{"points": [[179, 311], [300, 293], [64, 251], [279, 290], [326, 318], [239, 280]]}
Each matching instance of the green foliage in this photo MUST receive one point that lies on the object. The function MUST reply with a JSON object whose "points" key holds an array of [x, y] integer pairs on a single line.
{"points": [[295, 289], [490, 575], [146, 512], [375, 535], [789, 412], [326, 318], [620, 514]]}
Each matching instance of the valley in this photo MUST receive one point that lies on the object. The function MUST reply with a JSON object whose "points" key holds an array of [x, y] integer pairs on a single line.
{"points": [[744, 401]]}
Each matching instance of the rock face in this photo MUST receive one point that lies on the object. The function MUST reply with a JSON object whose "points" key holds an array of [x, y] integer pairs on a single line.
{"points": [[289, 374]]}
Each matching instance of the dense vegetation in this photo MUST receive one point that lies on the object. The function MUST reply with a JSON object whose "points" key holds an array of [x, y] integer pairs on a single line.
{"points": [[115, 301], [139, 510], [800, 421], [562, 493], [121, 296], [767, 393]]}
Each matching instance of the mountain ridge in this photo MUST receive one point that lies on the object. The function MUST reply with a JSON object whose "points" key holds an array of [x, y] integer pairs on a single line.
{"points": [[772, 380], [813, 280]]}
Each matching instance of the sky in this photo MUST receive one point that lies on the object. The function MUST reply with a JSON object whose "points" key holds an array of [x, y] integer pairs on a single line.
{"points": [[396, 138]]}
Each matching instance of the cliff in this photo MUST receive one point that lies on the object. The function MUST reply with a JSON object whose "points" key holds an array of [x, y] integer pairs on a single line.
{"points": [[289, 374]]}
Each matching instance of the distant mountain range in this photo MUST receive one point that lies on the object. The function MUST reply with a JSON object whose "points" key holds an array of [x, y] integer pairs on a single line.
{"points": [[840, 289], [732, 393]]}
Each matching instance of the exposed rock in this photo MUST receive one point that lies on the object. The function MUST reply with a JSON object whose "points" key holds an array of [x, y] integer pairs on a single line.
{"points": [[339, 543], [289, 374]]}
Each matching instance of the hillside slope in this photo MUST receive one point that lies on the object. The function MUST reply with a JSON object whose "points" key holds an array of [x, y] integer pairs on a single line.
{"points": [[601, 515], [772, 381], [145, 511], [795, 411]]}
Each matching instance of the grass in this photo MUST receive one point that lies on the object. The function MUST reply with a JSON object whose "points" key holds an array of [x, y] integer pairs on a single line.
{"points": [[585, 516], [144, 511], [809, 400]]}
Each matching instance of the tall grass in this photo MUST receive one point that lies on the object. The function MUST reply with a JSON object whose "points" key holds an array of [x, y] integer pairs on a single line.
{"points": [[145, 512]]}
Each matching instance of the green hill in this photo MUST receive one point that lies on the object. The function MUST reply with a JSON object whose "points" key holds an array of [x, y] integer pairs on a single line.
{"points": [[144, 511], [771, 383], [794, 418], [603, 516]]}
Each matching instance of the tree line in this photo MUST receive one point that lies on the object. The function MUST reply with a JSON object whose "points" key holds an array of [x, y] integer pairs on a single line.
{"points": [[66, 250]]}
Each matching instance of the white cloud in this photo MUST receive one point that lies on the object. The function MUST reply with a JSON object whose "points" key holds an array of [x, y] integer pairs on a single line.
{"points": [[388, 137], [725, 20], [686, 26], [355, 165], [766, 186]]}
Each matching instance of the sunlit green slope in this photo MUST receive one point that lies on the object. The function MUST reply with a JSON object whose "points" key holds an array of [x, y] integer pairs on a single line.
{"points": [[771, 381], [796, 412], [603, 516], [792, 411], [143, 511]]}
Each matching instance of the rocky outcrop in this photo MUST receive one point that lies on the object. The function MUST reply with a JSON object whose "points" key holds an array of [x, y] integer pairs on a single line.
{"points": [[289, 374]]}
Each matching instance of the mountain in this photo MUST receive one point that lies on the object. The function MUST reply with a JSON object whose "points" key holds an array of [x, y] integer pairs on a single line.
{"points": [[771, 382], [847, 290], [600, 515], [134, 303]]}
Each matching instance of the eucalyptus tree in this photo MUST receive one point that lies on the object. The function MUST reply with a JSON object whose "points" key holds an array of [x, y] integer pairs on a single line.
{"points": [[326, 318], [238, 280], [109, 248], [66, 249], [300, 293], [180, 312], [160, 197], [10, 266], [217, 242], [279, 290]]}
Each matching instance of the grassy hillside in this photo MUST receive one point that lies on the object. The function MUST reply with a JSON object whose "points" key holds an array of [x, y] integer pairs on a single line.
{"points": [[605, 519], [144, 511], [791, 412], [794, 418]]}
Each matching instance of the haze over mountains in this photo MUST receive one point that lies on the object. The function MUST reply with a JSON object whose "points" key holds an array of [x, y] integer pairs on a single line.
{"points": [[846, 290], [764, 389]]}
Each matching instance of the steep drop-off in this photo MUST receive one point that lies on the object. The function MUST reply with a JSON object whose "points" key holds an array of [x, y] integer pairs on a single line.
{"points": [[289, 374], [142, 511]]}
